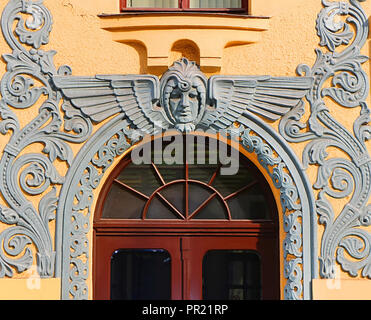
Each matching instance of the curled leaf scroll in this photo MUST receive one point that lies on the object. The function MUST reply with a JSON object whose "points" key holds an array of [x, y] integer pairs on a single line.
{"points": [[26, 26], [340, 64]]}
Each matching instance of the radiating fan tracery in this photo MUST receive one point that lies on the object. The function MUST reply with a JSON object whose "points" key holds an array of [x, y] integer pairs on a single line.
{"points": [[186, 192]]}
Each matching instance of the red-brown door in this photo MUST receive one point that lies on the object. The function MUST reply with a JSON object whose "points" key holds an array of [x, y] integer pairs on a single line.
{"points": [[240, 268], [108, 246], [185, 267], [186, 230]]}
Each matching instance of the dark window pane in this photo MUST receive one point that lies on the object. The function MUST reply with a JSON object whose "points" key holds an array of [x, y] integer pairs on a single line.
{"points": [[249, 204], [202, 157], [198, 194], [202, 172], [170, 158], [140, 177], [122, 204], [231, 275], [175, 194], [227, 184], [158, 209], [171, 172], [141, 274], [240, 192], [214, 209]]}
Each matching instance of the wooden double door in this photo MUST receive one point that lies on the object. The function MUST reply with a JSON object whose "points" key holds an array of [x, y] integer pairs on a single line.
{"points": [[186, 230], [189, 267]]}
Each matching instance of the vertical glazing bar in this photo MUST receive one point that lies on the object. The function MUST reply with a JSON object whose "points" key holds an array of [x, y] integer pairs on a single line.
{"points": [[185, 4], [123, 4], [186, 190], [186, 268]]}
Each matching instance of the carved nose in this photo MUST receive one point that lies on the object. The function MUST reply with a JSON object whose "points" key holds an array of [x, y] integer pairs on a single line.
{"points": [[185, 100]]}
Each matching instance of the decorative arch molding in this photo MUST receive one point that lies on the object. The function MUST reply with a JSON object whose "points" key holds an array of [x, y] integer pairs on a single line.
{"points": [[61, 121], [114, 138]]}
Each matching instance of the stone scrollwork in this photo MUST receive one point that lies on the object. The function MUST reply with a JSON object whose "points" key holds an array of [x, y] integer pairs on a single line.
{"points": [[26, 26], [339, 78], [184, 99], [68, 108], [92, 167], [291, 211], [112, 140]]}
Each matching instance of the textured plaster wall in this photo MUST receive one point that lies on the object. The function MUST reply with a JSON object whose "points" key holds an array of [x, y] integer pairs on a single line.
{"points": [[89, 50]]}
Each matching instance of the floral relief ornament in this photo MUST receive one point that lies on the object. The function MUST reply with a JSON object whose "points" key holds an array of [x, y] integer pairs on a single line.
{"points": [[184, 99], [26, 26], [344, 240]]}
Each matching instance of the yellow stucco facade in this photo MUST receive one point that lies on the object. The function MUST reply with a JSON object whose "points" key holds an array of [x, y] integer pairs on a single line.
{"points": [[90, 37]]}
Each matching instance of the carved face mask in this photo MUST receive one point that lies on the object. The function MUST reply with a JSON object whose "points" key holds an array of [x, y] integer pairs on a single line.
{"points": [[184, 95], [184, 104]]}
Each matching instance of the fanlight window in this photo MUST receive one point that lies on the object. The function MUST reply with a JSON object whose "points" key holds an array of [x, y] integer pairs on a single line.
{"points": [[185, 191]]}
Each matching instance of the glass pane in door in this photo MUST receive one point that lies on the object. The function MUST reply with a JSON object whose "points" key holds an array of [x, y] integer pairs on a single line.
{"points": [[231, 275], [141, 274]]}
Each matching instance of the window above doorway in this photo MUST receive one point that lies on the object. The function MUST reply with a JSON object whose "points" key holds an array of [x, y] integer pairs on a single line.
{"points": [[224, 6], [163, 31]]}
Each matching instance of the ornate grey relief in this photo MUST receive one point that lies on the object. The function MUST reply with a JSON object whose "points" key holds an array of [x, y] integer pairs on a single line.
{"points": [[100, 152], [291, 211], [183, 99], [26, 26], [338, 77], [91, 164]]}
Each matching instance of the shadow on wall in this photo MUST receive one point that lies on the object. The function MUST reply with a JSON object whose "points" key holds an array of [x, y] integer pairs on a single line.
{"points": [[182, 48], [142, 55]]}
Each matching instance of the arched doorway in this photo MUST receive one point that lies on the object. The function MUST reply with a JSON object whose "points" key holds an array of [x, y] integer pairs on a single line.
{"points": [[182, 230]]}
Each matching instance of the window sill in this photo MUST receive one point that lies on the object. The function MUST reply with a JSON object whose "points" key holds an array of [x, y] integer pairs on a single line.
{"points": [[209, 33]]}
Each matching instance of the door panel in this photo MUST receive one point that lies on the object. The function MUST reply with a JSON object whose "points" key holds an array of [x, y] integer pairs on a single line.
{"points": [[107, 246], [231, 275], [198, 247], [194, 262], [141, 274]]}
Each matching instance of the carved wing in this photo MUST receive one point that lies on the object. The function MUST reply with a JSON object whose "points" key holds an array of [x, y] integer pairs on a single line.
{"points": [[269, 97], [102, 96]]}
